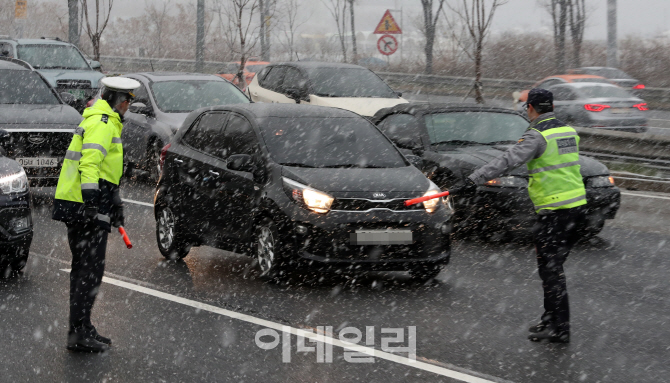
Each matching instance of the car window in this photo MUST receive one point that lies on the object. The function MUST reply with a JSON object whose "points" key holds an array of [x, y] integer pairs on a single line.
{"points": [[348, 82], [479, 127], [261, 75], [563, 94], [328, 142], [399, 126], [142, 94], [25, 87], [600, 91], [239, 137], [184, 96], [273, 80], [294, 78], [206, 134], [52, 56]]}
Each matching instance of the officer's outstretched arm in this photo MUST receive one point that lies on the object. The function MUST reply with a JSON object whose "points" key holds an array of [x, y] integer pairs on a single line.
{"points": [[96, 143]]}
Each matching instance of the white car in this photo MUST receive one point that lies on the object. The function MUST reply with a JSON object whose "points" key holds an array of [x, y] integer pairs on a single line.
{"points": [[344, 86]]}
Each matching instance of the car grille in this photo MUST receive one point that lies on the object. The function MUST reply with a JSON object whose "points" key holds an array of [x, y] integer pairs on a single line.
{"points": [[73, 84], [361, 205]]}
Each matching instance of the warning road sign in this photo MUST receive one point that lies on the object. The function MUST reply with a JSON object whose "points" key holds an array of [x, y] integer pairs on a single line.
{"points": [[388, 26], [20, 9], [387, 45]]}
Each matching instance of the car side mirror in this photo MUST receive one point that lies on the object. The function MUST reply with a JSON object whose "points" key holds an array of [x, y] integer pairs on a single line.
{"points": [[69, 99], [140, 108], [241, 163], [416, 161], [399, 94], [296, 94], [95, 64]]}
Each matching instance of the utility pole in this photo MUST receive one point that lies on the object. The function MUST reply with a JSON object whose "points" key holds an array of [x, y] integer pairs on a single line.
{"points": [[200, 37], [261, 10], [612, 59], [73, 22]]}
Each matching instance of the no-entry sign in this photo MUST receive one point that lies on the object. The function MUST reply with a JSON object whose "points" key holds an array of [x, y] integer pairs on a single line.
{"points": [[387, 45]]}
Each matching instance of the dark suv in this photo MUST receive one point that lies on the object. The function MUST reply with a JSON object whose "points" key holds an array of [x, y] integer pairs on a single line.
{"points": [[38, 123], [298, 185]]}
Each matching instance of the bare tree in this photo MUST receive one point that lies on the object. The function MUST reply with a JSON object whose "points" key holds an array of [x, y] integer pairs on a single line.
{"points": [[157, 17], [577, 19], [477, 19], [236, 21], [338, 9], [353, 31], [429, 28], [558, 10], [291, 24], [102, 9]]}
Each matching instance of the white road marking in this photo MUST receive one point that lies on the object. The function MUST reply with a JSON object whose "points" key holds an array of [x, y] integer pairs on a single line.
{"points": [[645, 195], [137, 202], [463, 377]]}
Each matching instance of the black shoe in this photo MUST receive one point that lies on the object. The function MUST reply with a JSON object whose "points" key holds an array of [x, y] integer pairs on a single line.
{"points": [[85, 345], [100, 338], [538, 327], [550, 334]]}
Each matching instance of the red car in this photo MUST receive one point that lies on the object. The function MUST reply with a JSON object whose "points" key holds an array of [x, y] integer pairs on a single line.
{"points": [[251, 67]]}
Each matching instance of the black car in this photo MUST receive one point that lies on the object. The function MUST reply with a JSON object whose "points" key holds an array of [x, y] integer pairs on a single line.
{"points": [[162, 103], [299, 185], [16, 224], [454, 140], [39, 124]]}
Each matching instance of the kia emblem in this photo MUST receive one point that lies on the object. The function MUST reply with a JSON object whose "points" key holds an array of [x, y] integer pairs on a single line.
{"points": [[378, 195], [38, 139]]}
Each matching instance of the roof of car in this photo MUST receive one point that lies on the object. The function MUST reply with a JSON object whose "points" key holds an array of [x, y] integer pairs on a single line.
{"points": [[318, 64], [423, 108], [170, 76], [262, 110], [572, 77], [586, 84]]}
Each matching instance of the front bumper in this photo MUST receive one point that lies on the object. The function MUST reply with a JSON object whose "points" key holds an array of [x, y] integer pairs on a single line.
{"points": [[15, 238], [324, 241]]}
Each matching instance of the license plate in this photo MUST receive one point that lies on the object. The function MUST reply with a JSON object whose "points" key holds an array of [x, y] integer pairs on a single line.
{"points": [[78, 93], [621, 110], [381, 237], [37, 162]]}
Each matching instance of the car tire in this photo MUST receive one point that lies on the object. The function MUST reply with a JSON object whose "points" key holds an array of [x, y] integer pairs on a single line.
{"points": [[20, 263], [170, 236], [425, 273], [269, 250]]}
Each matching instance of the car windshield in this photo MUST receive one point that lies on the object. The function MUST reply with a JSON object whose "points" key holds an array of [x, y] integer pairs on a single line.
{"points": [[348, 82], [328, 143], [474, 127], [609, 73], [25, 87], [598, 91], [184, 96], [52, 56]]}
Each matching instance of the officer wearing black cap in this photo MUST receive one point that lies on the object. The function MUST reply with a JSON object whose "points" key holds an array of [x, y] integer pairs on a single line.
{"points": [[87, 200], [551, 151]]}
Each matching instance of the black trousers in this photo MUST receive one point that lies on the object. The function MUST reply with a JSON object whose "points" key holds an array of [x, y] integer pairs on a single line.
{"points": [[88, 243], [554, 235]]}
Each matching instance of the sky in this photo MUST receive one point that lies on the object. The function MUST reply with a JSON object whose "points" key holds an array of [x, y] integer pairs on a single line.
{"points": [[647, 18]]}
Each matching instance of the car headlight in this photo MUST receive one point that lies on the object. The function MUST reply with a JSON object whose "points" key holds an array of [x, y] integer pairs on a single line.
{"points": [[508, 182], [600, 182], [313, 199], [15, 183]]}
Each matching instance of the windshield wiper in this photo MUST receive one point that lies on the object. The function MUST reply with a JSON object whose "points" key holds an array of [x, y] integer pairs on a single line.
{"points": [[326, 95], [501, 142], [457, 142], [56, 67], [353, 166], [296, 164]]}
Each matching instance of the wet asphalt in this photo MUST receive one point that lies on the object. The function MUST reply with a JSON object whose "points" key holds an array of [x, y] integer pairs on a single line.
{"points": [[471, 320]]}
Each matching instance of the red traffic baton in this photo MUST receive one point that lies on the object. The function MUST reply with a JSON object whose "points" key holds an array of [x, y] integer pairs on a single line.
{"points": [[414, 201], [124, 235]]}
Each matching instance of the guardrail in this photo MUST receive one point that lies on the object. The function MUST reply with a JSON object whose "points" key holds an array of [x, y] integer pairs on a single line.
{"points": [[639, 145]]}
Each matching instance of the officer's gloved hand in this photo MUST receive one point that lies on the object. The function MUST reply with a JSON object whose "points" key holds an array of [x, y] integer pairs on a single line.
{"points": [[116, 216], [468, 188], [90, 213]]}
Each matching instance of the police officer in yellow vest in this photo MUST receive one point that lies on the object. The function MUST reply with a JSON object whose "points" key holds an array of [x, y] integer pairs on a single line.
{"points": [[551, 151], [88, 201]]}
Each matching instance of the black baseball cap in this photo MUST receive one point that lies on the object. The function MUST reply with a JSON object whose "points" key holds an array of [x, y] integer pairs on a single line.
{"points": [[540, 98]]}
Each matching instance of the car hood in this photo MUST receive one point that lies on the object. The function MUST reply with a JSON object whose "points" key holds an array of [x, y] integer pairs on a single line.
{"points": [[467, 159], [8, 166], [365, 106], [52, 75], [26, 114], [407, 179]]}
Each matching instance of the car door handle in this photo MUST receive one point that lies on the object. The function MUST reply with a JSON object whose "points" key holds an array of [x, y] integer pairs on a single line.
{"points": [[177, 160], [212, 172]]}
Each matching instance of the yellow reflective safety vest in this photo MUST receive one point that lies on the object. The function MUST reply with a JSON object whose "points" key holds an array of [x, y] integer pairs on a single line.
{"points": [[92, 167], [555, 179]]}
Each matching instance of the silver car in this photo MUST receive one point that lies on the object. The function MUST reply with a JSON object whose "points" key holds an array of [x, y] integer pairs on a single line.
{"points": [[595, 105]]}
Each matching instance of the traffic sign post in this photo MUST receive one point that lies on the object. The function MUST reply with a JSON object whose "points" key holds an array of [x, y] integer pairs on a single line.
{"points": [[387, 45]]}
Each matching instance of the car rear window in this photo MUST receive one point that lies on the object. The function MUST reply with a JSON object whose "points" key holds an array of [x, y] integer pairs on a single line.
{"points": [[597, 91], [476, 127], [184, 96], [348, 82], [25, 87], [328, 142], [609, 73]]}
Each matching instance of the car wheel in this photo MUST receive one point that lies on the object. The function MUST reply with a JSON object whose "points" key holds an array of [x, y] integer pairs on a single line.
{"points": [[169, 235], [425, 273], [20, 263], [153, 160], [268, 250]]}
